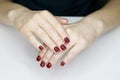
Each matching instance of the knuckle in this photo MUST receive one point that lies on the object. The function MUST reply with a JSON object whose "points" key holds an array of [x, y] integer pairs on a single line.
{"points": [[24, 28], [36, 15], [46, 39], [45, 12]]}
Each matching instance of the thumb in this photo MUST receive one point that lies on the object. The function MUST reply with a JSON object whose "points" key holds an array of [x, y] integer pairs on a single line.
{"points": [[62, 20]]}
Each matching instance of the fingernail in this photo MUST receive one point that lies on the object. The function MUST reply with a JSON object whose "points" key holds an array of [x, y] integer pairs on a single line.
{"points": [[65, 20], [41, 48], [62, 63], [66, 40], [42, 64], [56, 49], [63, 47], [49, 65], [38, 58]]}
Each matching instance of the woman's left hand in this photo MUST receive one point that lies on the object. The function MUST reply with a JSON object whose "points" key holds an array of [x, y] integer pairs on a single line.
{"points": [[81, 34]]}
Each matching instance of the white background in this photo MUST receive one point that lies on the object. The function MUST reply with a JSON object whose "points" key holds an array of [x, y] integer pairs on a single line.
{"points": [[101, 61]]}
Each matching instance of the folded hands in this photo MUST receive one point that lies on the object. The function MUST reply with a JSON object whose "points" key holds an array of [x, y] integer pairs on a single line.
{"points": [[53, 36]]}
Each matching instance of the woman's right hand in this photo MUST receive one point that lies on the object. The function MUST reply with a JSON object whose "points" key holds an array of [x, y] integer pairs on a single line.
{"points": [[40, 26]]}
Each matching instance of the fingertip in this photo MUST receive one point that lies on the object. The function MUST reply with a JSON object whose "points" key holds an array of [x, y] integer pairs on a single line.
{"points": [[67, 40], [49, 65], [41, 48], [38, 58], [63, 47], [65, 20], [56, 49], [42, 64], [62, 63]]}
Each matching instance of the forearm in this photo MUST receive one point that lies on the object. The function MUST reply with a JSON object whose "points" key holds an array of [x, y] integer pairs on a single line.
{"points": [[106, 18], [6, 9]]}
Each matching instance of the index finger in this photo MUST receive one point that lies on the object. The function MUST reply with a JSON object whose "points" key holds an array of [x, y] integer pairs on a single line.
{"points": [[57, 26]]}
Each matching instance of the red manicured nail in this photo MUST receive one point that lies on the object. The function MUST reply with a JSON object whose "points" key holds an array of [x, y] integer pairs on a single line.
{"points": [[62, 63], [38, 58], [41, 48], [66, 40], [42, 64], [49, 65], [56, 49], [63, 47]]}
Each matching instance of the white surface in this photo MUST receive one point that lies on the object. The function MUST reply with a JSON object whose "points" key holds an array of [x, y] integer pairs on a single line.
{"points": [[101, 61]]}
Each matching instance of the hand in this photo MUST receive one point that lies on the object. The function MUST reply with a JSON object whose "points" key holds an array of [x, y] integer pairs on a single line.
{"points": [[82, 34], [41, 26]]}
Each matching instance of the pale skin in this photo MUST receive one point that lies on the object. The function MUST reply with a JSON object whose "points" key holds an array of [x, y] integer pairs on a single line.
{"points": [[34, 23], [81, 33], [84, 32]]}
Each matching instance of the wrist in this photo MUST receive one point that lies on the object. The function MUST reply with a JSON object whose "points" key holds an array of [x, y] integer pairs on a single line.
{"points": [[97, 24], [15, 13]]}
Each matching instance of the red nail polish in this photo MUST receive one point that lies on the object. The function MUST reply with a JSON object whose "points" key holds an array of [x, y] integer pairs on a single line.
{"points": [[38, 58], [49, 65], [42, 64], [62, 63], [63, 47], [66, 40], [41, 48], [56, 49]]}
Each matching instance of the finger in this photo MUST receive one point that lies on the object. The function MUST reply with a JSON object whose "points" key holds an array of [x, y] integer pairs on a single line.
{"points": [[41, 53], [79, 47], [44, 37], [41, 56], [53, 60], [32, 39], [51, 32], [57, 26], [62, 20], [46, 58]]}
